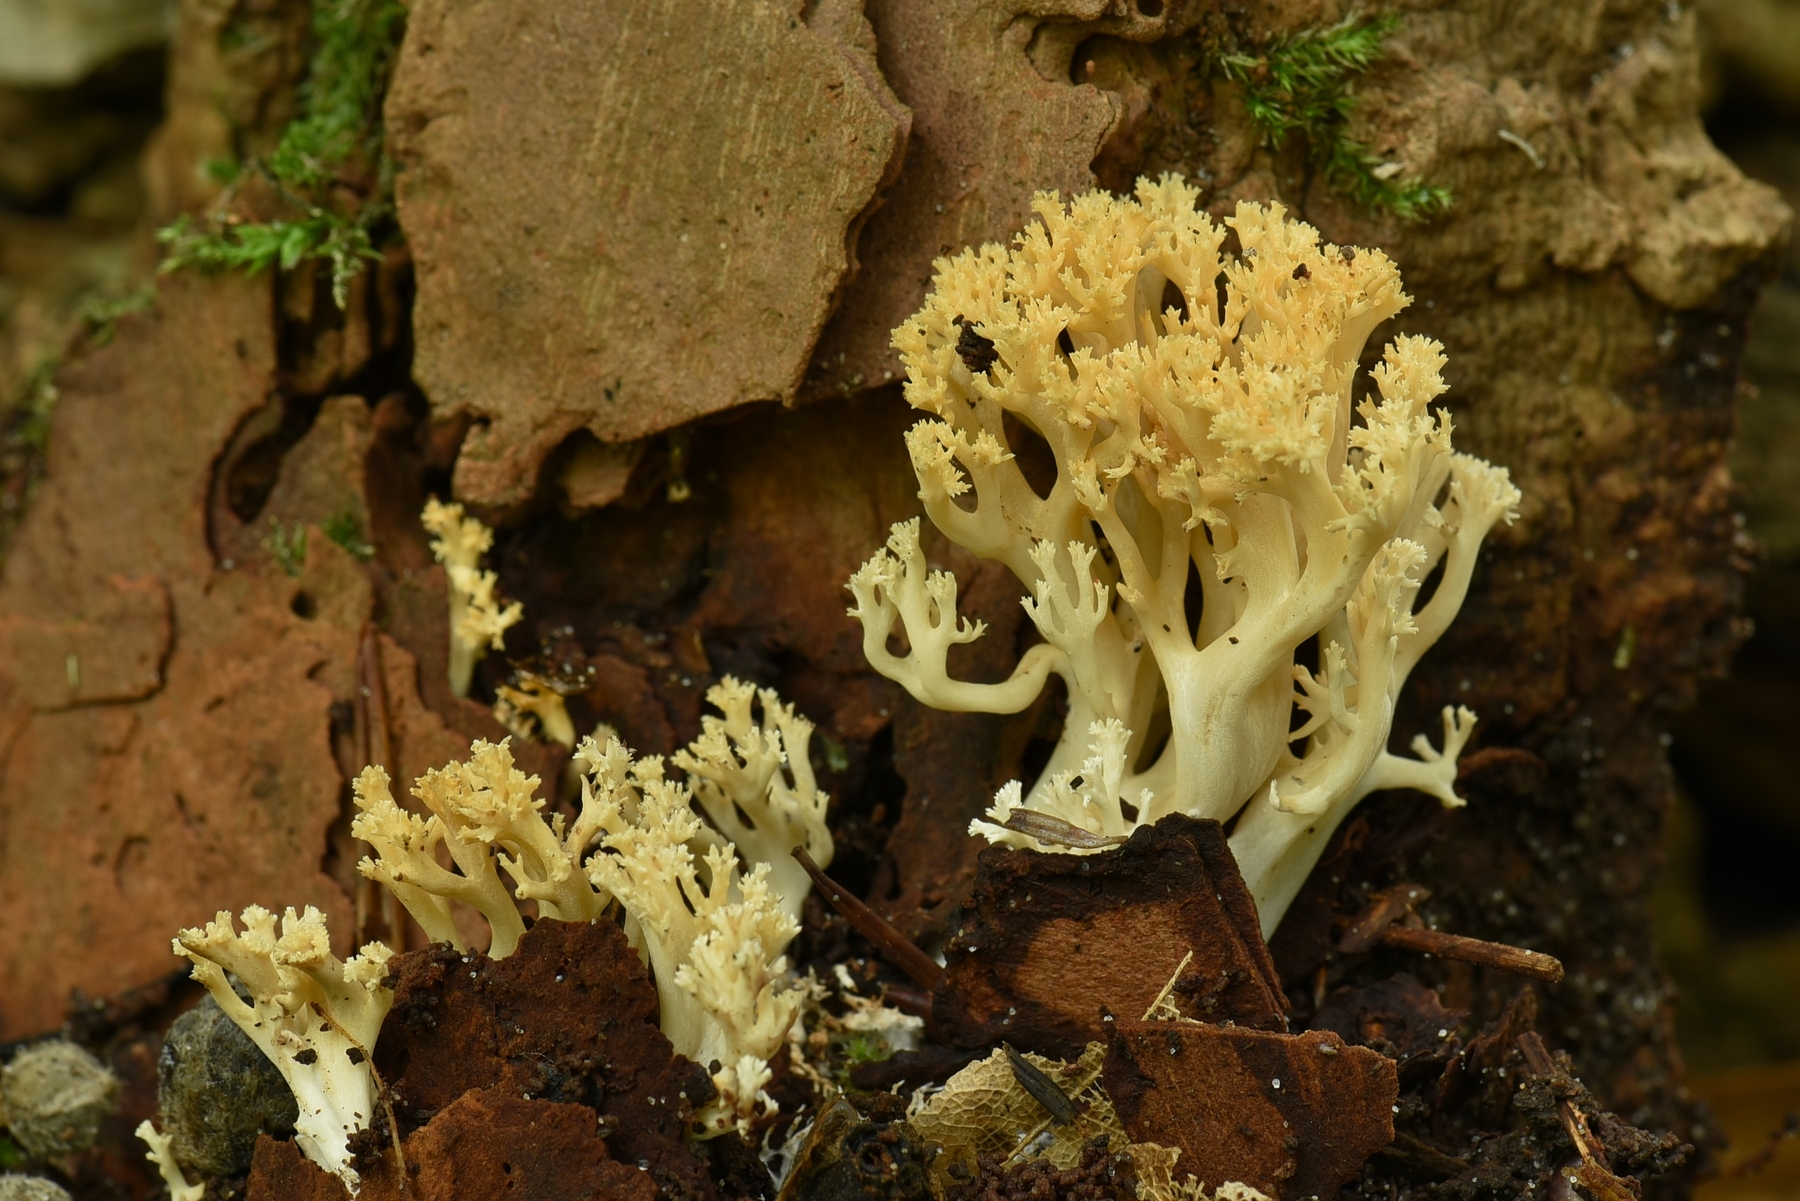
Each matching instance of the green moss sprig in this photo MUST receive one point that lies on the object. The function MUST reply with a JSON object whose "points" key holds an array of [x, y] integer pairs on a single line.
{"points": [[287, 546], [346, 529], [1299, 85], [338, 131]]}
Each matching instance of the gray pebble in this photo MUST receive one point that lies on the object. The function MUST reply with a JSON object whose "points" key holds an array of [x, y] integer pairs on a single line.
{"points": [[14, 1187], [55, 1095], [217, 1092]]}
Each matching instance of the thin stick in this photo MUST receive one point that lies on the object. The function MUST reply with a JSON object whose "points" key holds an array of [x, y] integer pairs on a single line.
{"points": [[1594, 1173], [1761, 1159], [1535, 964], [898, 949], [387, 1109], [1387, 908], [375, 749], [1381, 922], [1169, 987]]}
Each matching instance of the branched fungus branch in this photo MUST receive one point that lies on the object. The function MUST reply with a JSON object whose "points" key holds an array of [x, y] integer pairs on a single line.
{"points": [[478, 623], [755, 782], [1222, 497], [315, 1016], [486, 815], [712, 935]]}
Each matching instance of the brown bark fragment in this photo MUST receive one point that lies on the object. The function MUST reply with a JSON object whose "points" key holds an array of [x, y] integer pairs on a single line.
{"points": [[128, 818], [494, 1144], [569, 1017], [625, 216], [1398, 1016], [114, 651], [279, 1170], [1294, 1115], [491, 1143], [996, 119], [320, 482], [1049, 944]]}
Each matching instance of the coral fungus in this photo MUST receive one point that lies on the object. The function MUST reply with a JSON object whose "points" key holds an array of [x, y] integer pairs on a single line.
{"points": [[1222, 497]]}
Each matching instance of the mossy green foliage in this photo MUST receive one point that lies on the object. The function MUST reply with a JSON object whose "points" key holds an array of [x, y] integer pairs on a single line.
{"points": [[346, 529], [287, 546], [864, 1046], [1299, 85], [100, 311], [322, 153], [10, 1155]]}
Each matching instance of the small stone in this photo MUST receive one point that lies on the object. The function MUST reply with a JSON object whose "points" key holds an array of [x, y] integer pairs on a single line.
{"points": [[55, 1095], [14, 1187], [217, 1092]]}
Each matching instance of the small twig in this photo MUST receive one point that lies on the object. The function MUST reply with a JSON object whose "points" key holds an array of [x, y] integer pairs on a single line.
{"points": [[1537, 1058], [1043, 1090], [1381, 922], [387, 1109], [1169, 987], [1518, 960], [1755, 1163], [374, 690], [899, 950], [1531, 152], [374, 749], [908, 1000], [1594, 1173], [1046, 828], [1387, 908]]}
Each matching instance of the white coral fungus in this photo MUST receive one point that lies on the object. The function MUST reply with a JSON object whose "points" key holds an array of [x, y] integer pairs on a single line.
{"points": [[315, 1016], [486, 815], [713, 935], [712, 932], [1219, 501], [478, 623], [755, 782], [533, 708], [161, 1152]]}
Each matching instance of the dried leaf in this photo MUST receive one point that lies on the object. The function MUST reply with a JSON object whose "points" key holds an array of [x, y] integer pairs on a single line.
{"points": [[985, 1111]]}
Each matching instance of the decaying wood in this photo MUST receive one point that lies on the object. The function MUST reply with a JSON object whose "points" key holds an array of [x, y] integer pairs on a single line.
{"points": [[1294, 1115], [1049, 944], [628, 215]]}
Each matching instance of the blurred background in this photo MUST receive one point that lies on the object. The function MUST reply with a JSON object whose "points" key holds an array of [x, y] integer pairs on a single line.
{"points": [[81, 95], [1729, 911]]}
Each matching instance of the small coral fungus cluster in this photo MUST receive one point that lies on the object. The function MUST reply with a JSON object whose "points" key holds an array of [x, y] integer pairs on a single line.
{"points": [[710, 926], [1234, 551]]}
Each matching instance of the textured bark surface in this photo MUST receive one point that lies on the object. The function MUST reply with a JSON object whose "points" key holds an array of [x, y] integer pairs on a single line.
{"points": [[1051, 949], [571, 1018], [628, 215], [1292, 1115], [489, 1143], [173, 775]]}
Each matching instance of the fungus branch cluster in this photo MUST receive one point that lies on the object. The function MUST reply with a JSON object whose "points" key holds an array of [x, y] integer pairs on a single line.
{"points": [[1222, 497], [711, 926]]}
